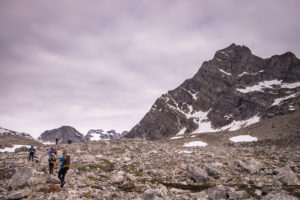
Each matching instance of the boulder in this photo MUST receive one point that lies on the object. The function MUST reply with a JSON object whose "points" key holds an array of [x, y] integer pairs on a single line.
{"points": [[286, 176], [212, 171], [197, 174], [117, 177], [278, 196], [19, 194], [159, 192], [217, 193], [21, 149], [7, 173], [250, 166], [22, 178], [52, 180]]}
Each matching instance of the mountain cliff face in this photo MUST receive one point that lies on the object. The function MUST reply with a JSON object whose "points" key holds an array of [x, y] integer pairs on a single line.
{"points": [[231, 91], [99, 134], [64, 133]]}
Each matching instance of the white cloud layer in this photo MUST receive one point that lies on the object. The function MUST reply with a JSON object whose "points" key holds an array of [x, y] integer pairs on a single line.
{"points": [[101, 64]]}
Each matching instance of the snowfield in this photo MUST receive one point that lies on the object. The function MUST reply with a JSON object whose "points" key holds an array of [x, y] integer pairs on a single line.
{"points": [[243, 138], [268, 84], [195, 144], [279, 100], [174, 138], [12, 149]]}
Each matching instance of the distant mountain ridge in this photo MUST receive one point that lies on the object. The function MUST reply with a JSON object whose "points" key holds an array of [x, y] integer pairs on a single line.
{"points": [[64, 134], [10, 138], [231, 91], [99, 134]]}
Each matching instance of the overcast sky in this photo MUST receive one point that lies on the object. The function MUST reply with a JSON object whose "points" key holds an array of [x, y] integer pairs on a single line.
{"points": [[102, 64]]}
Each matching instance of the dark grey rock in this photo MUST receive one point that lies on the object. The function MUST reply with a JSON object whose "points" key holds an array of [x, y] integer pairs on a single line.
{"points": [[286, 176], [220, 193], [22, 178], [19, 194], [21, 149], [215, 91], [7, 173], [197, 174], [278, 196], [64, 134], [160, 191]]}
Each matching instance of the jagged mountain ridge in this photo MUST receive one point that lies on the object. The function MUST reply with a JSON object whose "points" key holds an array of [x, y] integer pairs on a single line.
{"points": [[9, 138], [233, 90], [10, 132], [99, 134], [64, 134]]}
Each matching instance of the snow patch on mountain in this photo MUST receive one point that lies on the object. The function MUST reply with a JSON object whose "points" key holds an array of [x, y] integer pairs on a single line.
{"points": [[182, 131], [221, 70], [195, 144], [99, 134], [243, 138], [268, 84], [252, 74], [260, 86], [279, 100]]}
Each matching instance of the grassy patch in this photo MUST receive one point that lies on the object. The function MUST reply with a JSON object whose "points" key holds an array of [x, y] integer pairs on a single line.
{"points": [[106, 165], [283, 159], [93, 166], [81, 168], [139, 173]]}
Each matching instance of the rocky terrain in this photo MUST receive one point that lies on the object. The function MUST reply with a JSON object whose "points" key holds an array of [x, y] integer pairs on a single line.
{"points": [[231, 91], [125, 168], [99, 134], [64, 134], [8, 138]]}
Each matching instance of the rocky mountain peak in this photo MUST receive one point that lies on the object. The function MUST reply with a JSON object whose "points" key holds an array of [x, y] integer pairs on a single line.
{"points": [[100, 134], [64, 133], [231, 91]]}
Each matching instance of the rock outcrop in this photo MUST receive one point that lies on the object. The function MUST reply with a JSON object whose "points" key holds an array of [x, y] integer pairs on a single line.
{"points": [[64, 133], [231, 91]]}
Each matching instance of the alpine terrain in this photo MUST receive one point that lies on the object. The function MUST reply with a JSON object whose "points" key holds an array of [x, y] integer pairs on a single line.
{"points": [[247, 111], [231, 91]]}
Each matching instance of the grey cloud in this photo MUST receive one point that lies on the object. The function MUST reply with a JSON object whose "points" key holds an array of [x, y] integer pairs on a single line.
{"points": [[102, 64]]}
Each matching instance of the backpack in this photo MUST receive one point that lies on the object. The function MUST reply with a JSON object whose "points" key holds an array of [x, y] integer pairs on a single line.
{"points": [[52, 158], [31, 149], [67, 161], [53, 150]]}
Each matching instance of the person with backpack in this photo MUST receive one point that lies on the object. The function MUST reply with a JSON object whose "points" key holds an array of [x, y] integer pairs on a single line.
{"points": [[65, 165], [52, 150], [31, 153], [51, 164], [56, 140]]}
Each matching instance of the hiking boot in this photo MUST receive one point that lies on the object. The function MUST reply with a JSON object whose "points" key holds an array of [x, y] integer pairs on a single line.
{"points": [[62, 184]]}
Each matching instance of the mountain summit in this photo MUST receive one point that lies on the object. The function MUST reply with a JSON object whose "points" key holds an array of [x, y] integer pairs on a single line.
{"points": [[231, 91], [64, 133]]}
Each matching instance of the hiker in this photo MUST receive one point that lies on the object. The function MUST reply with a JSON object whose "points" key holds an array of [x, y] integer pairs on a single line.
{"points": [[31, 153], [51, 164], [56, 140], [52, 150], [69, 141], [65, 165]]}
